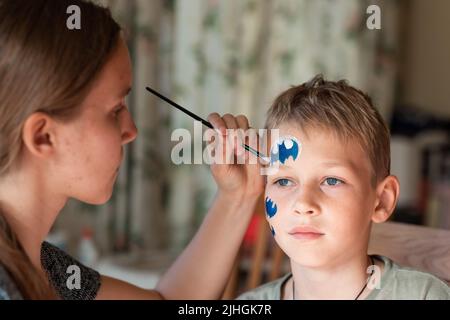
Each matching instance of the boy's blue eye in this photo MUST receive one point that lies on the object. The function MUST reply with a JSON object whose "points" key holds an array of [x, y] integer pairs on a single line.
{"points": [[333, 181], [284, 182]]}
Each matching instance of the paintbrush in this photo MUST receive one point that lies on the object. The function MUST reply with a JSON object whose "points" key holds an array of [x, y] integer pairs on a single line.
{"points": [[203, 121]]}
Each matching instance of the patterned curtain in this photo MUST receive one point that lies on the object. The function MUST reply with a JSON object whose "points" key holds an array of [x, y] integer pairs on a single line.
{"points": [[224, 56]]}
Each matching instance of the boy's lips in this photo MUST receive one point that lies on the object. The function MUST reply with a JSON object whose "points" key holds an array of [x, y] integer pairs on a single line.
{"points": [[305, 233]]}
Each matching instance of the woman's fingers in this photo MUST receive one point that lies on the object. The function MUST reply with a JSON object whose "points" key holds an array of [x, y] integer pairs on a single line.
{"points": [[244, 125], [253, 141], [217, 122], [232, 138], [230, 121], [239, 135], [222, 145], [219, 125], [242, 122], [243, 169]]}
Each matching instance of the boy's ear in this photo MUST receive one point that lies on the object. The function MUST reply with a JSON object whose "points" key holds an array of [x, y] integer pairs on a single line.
{"points": [[388, 192], [38, 134]]}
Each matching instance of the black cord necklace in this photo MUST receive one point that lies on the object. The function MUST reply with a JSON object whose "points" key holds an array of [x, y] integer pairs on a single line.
{"points": [[362, 290]]}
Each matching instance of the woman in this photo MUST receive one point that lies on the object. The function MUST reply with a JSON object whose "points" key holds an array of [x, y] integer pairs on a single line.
{"points": [[63, 125]]}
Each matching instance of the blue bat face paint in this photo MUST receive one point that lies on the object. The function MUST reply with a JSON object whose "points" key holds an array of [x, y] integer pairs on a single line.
{"points": [[284, 149], [271, 207], [272, 230]]}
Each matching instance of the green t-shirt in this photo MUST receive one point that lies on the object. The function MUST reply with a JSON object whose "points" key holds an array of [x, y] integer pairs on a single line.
{"points": [[397, 283]]}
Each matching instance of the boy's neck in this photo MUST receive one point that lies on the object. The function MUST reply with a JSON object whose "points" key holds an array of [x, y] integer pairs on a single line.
{"points": [[343, 281]]}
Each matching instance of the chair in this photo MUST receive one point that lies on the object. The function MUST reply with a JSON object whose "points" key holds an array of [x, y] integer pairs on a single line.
{"points": [[422, 248], [419, 247]]}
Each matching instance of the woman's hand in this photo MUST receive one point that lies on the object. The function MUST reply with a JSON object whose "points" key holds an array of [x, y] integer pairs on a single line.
{"points": [[226, 222], [240, 180]]}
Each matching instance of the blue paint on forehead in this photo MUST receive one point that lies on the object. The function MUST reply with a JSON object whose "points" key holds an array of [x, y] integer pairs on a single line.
{"points": [[284, 149]]}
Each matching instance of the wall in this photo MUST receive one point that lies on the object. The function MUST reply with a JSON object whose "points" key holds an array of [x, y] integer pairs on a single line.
{"points": [[426, 70]]}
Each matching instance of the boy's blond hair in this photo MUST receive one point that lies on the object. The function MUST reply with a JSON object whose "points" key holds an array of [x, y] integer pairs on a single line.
{"points": [[338, 107]]}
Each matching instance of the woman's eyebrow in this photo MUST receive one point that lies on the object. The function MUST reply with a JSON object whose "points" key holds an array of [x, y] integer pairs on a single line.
{"points": [[126, 92]]}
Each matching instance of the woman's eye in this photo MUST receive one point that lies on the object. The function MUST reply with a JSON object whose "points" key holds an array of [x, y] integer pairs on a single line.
{"points": [[118, 110], [284, 182], [333, 181]]}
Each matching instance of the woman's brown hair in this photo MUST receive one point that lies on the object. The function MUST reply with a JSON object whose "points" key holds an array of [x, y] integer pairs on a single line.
{"points": [[44, 67]]}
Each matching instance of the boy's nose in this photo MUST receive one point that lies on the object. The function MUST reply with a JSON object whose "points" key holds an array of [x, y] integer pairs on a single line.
{"points": [[305, 203]]}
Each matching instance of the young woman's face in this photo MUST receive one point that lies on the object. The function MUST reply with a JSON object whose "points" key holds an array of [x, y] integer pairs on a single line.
{"points": [[92, 144]]}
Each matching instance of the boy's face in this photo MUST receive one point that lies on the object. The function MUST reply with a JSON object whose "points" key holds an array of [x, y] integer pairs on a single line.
{"points": [[324, 198]]}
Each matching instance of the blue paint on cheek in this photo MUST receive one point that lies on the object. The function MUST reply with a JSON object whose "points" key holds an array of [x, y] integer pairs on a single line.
{"points": [[285, 149], [272, 230], [271, 207]]}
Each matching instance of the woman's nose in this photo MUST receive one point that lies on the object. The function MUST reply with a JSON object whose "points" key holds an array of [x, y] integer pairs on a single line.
{"points": [[129, 132]]}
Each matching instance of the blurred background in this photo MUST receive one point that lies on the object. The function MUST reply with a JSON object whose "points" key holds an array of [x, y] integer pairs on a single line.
{"points": [[236, 56]]}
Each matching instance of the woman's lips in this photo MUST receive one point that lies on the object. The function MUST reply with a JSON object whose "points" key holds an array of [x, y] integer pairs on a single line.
{"points": [[305, 233]]}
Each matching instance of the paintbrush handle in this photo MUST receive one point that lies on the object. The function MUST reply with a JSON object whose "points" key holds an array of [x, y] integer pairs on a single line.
{"points": [[176, 105], [203, 121]]}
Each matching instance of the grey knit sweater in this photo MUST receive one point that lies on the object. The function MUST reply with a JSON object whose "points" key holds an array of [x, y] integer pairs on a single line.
{"points": [[62, 271]]}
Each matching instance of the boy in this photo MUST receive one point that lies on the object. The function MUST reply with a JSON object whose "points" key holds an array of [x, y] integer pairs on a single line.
{"points": [[332, 182]]}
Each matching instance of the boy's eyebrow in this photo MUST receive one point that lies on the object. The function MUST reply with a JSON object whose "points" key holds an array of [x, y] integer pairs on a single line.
{"points": [[346, 164], [333, 164], [329, 164]]}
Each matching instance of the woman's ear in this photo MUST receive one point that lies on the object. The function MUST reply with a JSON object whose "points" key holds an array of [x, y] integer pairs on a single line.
{"points": [[388, 192], [38, 134]]}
